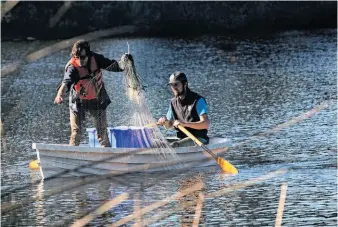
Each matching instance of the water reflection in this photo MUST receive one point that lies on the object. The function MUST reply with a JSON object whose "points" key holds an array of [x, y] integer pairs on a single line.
{"points": [[39, 209], [188, 211]]}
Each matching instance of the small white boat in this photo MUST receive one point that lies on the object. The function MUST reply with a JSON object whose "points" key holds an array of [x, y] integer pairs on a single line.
{"points": [[64, 160]]}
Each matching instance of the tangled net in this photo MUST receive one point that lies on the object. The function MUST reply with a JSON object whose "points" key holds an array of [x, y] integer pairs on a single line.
{"points": [[141, 115], [132, 79]]}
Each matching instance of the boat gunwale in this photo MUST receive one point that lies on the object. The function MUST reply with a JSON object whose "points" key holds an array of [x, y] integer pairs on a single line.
{"points": [[126, 151]]}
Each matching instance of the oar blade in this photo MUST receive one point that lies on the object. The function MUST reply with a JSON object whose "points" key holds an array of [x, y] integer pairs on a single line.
{"points": [[226, 166]]}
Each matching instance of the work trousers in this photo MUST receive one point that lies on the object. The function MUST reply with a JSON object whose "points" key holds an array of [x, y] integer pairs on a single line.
{"points": [[100, 122]]}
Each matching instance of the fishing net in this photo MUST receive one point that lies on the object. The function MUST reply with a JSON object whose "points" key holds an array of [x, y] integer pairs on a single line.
{"points": [[141, 115], [132, 79]]}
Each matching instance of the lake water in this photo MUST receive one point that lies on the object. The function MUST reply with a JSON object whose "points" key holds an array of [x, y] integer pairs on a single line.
{"points": [[251, 85]]}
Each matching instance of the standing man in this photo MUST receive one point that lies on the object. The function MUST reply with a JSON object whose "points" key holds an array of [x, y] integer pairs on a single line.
{"points": [[83, 81], [188, 109]]}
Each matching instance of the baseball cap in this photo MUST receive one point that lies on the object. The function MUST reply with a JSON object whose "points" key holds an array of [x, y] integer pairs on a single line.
{"points": [[177, 77]]}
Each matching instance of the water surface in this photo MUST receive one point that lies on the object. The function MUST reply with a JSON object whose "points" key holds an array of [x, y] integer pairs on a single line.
{"points": [[251, 85]]}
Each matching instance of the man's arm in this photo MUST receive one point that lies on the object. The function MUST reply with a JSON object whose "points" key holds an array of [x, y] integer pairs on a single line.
{"points": [[69, 78], [168, 120], [107, 64], [203, 123]]}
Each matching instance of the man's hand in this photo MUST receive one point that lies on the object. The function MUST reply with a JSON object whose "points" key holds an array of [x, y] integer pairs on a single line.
{"points": [[161, 121], [177, 122], [58, 99]]}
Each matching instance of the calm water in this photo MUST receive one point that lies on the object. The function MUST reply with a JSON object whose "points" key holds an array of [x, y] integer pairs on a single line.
{"points": [[251, 85]]}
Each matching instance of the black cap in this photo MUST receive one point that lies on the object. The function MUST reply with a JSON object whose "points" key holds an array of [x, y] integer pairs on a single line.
{"points": [[177, 76]]}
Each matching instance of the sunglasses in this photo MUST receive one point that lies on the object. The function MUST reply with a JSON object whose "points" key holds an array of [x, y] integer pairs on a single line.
{"points": [[81, 57], [175, 84]]}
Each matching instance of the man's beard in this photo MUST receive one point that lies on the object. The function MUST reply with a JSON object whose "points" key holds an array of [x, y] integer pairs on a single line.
{"points": [[180, 93]]}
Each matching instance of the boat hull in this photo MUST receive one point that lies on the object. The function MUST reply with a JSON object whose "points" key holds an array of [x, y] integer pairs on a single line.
{"points": [[65, 161]]}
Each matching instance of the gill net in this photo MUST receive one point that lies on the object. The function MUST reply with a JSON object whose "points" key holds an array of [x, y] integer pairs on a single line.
{"points": [[141, 114]]}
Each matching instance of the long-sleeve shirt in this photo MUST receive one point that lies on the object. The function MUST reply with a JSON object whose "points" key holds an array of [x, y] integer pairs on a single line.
{"points": [[71, 77]]}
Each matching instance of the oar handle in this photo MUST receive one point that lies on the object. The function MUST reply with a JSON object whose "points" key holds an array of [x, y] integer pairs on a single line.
{"points": [[191, 136]]}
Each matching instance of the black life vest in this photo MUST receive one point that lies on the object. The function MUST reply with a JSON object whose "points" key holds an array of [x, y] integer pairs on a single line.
{"points": [[185, 110]]}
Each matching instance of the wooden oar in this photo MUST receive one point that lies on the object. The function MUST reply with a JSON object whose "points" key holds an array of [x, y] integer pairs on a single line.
{"points": [[226, 166]]}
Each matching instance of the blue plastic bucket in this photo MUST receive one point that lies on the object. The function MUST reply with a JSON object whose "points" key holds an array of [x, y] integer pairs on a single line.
{"points": [[123, 137], [130, 137]]}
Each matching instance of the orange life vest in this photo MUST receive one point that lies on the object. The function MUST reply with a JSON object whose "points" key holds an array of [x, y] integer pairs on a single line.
{"points": [[90, 84]]}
